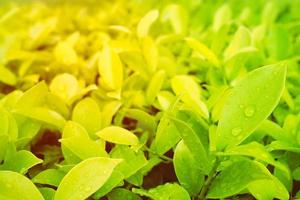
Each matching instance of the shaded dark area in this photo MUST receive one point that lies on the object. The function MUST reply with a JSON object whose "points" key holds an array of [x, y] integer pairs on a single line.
{"points": [[160, 174], [47, 147], [5, 89], [129, 123]]}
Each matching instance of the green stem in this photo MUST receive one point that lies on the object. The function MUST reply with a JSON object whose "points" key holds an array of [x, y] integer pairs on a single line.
{"points": [[163, 157], [208, 181]]}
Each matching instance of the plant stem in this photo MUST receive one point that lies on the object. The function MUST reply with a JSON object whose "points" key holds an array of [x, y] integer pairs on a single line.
{"points": [[208, 181], [163, 157]]}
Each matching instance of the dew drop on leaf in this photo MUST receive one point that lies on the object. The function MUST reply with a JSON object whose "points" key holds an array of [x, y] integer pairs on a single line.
{"points": [[236, 131], [249, 111]]}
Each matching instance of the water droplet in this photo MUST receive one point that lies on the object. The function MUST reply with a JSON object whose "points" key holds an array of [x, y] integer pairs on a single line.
{"points": [[236, 131], [249, 111]]}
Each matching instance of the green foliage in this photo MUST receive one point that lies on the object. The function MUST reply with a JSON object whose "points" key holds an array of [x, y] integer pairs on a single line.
{"points": [[149, 99]]}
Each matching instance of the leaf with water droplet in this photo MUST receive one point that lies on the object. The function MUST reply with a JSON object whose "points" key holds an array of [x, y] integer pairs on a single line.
{"points": [[187, 171], [162, 192], [236, 131], [16, 186], [246, 93], [249, 111], [258, 151], [268, 189], [91, 174], [236, 177]]}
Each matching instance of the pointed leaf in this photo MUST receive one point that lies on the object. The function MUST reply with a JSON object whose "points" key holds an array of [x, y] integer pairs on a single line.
{"points": [[85, 178], [91, 121], [250, 102], [163, 192], [15, 186], [118, 135], [146, 22], [186, 169]]}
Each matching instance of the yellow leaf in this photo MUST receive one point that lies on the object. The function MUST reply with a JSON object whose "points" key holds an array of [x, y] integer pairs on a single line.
{"points": [[7, 77], [110, 69], [64, 85], [203, 50], [189, 90], [118, 135], [150, 53], [146, 22], [65, 53]]}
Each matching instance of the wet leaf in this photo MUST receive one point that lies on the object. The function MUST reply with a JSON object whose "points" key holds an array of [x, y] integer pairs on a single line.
{"points": [[85, 178], [16, 186], [251, 101]]}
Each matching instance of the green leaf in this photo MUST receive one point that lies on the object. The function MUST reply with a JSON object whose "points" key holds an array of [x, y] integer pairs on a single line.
{"points": [[235, 178], [120, 193], [296, 174], [43, 114], [8, 125], [28, 128], [275, 131], [163, 192], [48, 193], [16, 186], [250, 102], [257, 151], [222, 16], [49, 177], [33, 97], [20, 161], [282, 145], [116, 179], [193, 143], [241, 39], [118, 135], [74, 129], [268, 189], [92, 121], [167, 136], [3, 146], [133, 161], [186, 169], [145, 120], [279, 43], [83, 147], [85, 178]]}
